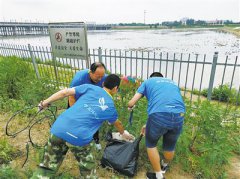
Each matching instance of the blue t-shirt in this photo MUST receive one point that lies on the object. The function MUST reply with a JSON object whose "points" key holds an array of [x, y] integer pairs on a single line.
{"points": [[78, 124], [83, 77], [163, 95]]}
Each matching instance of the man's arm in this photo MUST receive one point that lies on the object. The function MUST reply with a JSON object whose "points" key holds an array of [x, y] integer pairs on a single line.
{"points": [[71, 100], [119, 126], [134, 100], [57, 96]]}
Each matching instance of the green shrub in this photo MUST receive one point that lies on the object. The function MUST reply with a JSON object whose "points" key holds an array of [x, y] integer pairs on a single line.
{"points": [[11, 104], [36, 91], [20, 87], [196, 92], [204, 92], [223, 93], [206, 143], [14, 75], [6, 172], [7, 152]]}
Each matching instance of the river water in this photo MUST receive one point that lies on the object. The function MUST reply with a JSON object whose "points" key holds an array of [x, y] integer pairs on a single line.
{"points": [[202, 41], [192, 41]]}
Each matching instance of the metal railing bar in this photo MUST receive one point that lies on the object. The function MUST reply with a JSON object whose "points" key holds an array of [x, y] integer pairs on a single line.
{"points": [[194, 74]]}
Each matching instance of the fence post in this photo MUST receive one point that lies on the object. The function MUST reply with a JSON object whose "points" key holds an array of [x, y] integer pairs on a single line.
{"points": [[100, 54], [213, 70], [33, 61], [55, 69]]}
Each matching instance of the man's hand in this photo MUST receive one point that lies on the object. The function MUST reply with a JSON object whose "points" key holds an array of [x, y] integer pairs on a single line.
{"points": [[131, 108], [127, 136], [134, 100], [143, 130], [42, 105]]}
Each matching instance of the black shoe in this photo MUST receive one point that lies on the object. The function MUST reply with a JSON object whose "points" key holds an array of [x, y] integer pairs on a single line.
{"points": [[164, 168], [151, 175]]}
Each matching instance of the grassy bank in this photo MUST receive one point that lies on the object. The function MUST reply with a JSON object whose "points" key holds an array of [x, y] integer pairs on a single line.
{"points": [[147, 27], [234, 29]]}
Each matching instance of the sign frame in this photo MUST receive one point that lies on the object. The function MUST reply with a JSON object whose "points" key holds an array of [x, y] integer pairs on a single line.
{"points": [[70, 47]]}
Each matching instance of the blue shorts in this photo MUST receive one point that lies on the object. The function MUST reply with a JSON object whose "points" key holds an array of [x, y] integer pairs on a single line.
{"points": [[168, 125]]}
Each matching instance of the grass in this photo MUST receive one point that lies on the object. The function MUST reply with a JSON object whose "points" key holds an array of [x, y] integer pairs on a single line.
{"points": [[211, 150]]}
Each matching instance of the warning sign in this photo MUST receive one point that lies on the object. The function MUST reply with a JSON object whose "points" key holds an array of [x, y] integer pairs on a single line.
{"points": [[69, 40]]}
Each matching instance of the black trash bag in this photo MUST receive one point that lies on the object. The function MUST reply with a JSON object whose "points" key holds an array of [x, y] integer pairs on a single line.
{"points": [[121, 155]]}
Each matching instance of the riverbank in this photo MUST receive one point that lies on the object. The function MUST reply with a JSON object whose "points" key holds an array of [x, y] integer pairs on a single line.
{"points": [[235, 30], [153, 27], [228, 29]]}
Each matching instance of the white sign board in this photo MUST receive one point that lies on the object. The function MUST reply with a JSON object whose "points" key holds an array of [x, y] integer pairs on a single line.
{"points": [[69, 40]]}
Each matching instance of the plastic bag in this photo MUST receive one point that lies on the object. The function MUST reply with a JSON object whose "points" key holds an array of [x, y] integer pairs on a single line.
{"points": [[121, 155]]}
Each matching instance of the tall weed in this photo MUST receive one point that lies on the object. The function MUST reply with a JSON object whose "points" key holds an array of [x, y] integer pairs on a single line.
{"points": [[20, 87], [6, 172], [14, 75], [7, 152], [206, 143]]}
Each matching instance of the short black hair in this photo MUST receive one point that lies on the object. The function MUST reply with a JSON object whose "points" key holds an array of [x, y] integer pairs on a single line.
{"points": [[112, 81], [156, 74], [95, 65]]}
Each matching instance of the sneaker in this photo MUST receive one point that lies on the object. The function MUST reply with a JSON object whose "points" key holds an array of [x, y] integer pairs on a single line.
{"points": [[151, 175], [164, 167]]}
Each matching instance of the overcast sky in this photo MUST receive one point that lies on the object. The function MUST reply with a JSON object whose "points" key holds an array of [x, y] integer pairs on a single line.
{"points": [[116, 11]]}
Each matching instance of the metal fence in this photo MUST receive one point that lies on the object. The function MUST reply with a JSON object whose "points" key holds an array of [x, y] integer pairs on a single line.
{"points": [[192, 72]]}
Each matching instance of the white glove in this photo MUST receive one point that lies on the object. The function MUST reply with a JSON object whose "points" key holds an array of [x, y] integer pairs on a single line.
{"points": [[125, 136]]}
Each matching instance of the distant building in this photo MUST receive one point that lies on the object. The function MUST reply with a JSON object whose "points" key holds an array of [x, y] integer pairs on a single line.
{"points": [[184, 20], [215, 22]]}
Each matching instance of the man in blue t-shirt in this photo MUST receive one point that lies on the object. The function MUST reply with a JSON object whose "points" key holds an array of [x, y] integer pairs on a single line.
{"points": [[95, 76], [74, 128], [165, 119]]}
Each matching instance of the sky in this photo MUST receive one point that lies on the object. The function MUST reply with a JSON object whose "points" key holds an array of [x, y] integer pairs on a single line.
{"points": [[118, 11]]}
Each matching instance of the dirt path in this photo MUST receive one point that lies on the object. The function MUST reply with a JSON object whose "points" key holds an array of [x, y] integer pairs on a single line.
{"points": [[20, 141], [233, 170]]}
